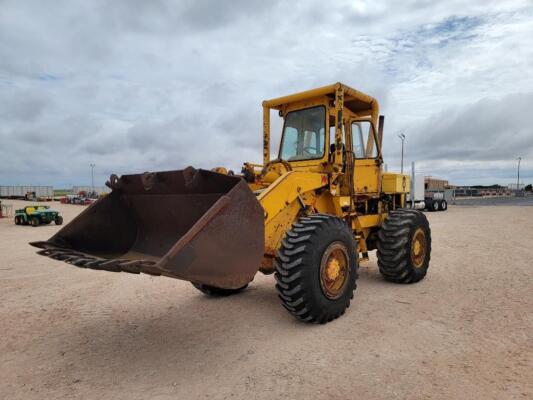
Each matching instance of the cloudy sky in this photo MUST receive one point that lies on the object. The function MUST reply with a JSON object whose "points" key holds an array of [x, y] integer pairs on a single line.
{"points": [[149, 85]]}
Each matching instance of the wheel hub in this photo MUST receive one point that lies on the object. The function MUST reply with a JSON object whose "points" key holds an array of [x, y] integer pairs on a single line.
{"points": [[334, 270], [418, 248]]}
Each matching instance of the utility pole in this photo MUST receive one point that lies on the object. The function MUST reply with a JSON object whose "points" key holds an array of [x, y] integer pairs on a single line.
{"points": [[92, 177], [413, 182], [518, 176], [402, 137]]}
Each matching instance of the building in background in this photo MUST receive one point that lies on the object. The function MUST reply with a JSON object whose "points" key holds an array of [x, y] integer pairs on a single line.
{"points": [[482, 191], [431, 183]]}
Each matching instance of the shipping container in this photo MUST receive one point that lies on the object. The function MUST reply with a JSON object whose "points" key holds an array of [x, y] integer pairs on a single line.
{"points": [[20, 192]]}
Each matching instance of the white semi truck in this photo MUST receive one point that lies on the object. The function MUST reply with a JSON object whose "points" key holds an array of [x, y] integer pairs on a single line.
{"points": [[423, 198]]}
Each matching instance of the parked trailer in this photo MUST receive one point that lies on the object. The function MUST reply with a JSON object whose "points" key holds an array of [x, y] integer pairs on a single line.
{"points": [[24, 192], [422, 198]]}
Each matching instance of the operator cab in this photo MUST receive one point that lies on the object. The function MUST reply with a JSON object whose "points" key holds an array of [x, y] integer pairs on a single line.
{"points": [[304, 136], [333, 128]]}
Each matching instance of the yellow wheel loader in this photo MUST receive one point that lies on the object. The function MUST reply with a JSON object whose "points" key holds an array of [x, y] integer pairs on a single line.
{"points": [[310, 214]]}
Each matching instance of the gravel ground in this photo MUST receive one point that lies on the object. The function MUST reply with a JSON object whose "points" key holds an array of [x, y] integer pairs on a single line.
{"points": [[465, 332]]}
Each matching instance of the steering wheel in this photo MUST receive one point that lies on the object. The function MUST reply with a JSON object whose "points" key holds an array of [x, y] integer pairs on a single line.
{"points": [[306, 150]]}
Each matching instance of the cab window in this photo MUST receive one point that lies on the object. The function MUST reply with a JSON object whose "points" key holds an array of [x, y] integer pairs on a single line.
{"points": [[364, 145], [304, 135]]}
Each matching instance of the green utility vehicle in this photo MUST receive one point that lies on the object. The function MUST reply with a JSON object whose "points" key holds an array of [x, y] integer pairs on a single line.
{"points": [[37, 215]]}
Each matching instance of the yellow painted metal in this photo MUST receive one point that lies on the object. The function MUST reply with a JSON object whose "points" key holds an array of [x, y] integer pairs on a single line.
{"points": [[220, 170], [418, 248], [339, 106], [336, 184], [395, 183], [307, 103], [366, 179], [360, 100], [283, 200], [278, 225], [266, 135], [286, 189], [325, 203], [293, 98], [368, 221], [338, 97], [273, 171], [334, 270], [363, 102]]}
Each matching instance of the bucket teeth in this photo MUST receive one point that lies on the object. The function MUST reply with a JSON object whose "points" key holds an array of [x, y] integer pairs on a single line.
{"points": [[85, 261]]}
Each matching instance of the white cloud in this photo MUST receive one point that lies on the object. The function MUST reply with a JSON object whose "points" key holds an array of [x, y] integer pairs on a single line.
{"points": [[133, 86]]}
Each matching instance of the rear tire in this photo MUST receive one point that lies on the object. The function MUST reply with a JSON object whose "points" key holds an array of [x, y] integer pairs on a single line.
{"points": [[214, 291], [17, 220], [404, 246], [316, 268], [58, 220], [35, 222], [433, 205], [443, 205]]}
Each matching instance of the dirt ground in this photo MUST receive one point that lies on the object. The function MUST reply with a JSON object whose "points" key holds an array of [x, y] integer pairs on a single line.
{"points": [[465, 332]]}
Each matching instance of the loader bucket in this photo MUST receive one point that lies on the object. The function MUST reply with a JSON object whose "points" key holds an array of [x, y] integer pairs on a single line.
{"points": [[194, 225]]}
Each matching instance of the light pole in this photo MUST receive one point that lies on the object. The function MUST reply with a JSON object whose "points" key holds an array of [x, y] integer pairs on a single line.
{"points": [[92, 177], [402, 137], [518, 175]]}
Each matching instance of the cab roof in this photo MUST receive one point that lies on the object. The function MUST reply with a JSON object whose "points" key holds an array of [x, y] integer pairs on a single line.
{"points": [[354, 100]]}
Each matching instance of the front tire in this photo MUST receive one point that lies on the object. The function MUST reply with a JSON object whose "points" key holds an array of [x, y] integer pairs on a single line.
{"points": [[404, 246], [316, 268], [58, 220], [214, 291]]}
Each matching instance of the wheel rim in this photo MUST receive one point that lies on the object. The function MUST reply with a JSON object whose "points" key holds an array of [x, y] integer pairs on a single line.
{"points": [[334, 270], [418, 248]]}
